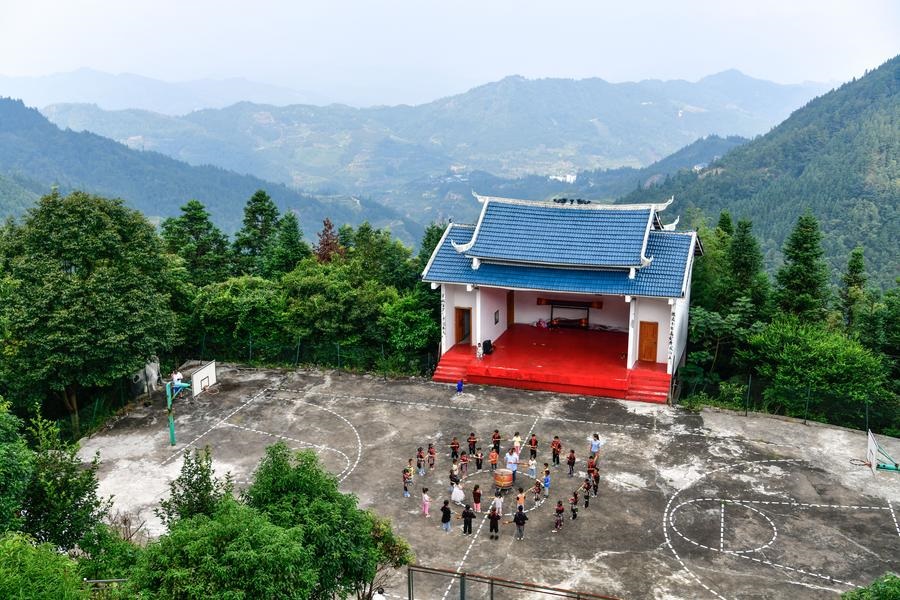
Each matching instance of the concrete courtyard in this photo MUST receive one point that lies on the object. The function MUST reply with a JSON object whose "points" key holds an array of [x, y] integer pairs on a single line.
{"points": [[709, 505]]}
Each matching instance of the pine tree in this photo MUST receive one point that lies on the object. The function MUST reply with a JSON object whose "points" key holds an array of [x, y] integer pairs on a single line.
{"points": [[803, 279], [854, 286], [725, 225], [194, 238], [328, 245], [744, 259], [260, 222], [287, 247]]}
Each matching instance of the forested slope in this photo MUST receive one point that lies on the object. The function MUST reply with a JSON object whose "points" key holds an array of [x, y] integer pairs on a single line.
{"points": [[839, 156]]}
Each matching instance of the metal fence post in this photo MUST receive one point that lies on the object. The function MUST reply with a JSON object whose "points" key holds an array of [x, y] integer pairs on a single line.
{"points": [[749, 385], [491, 588], [806, 412], [409, 582], [251, 348], [462, 586], [297, 354]]}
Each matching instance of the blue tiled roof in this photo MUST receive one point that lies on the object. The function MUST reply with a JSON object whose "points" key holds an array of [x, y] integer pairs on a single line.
{"points": [[552, 234], [663, 277]]}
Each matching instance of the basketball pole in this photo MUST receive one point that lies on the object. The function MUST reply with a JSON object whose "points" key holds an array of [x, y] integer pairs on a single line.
{"points": [[169, 397]]}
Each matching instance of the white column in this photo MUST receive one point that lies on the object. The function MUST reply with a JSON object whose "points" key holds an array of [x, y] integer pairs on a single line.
{"points": [[631, 333], [476, 319], [444, 335]]}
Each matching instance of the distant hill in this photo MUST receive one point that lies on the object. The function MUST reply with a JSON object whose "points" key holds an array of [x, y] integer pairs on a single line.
{"points": [[450, 194], [513, 127], [35, 154], [839, 155], [125, 90]]}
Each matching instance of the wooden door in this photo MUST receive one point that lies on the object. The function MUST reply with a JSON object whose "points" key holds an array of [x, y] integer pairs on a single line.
{"points": [[647, 339], [463, 322], [510, 308]]}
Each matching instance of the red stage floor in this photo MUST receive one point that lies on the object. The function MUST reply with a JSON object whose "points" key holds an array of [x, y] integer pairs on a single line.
{"points": [[565, 360]]}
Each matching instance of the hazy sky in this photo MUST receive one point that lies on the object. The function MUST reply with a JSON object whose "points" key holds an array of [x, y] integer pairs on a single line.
{"points": [[391, 51]]}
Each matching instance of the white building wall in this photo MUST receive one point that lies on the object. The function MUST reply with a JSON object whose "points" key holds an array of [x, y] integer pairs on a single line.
{"points": [[653, 310], [454, 296], [614, 313], [682, 312], [492, 303]]}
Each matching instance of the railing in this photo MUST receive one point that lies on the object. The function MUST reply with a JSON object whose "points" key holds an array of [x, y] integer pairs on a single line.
{"points": [[494, 584]]}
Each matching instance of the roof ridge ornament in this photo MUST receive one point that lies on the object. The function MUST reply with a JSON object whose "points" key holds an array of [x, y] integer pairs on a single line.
{"points": [[664, 205], [671, 226]]}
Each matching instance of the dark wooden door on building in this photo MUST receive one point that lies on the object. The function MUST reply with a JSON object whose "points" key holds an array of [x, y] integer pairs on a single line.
{"points": [[647, 338], [510, 308], [463, 318]]}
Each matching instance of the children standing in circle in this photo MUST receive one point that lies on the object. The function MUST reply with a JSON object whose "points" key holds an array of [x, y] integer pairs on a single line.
{"points": [[519, 519], [533, 445], [432, 454], [473, 441], [570, 460], [420, 461], [493, 457], [479, 459], [495, 440]]}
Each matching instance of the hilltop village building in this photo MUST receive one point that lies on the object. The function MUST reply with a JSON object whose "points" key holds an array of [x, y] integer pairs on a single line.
{"points": [[567, 296]]}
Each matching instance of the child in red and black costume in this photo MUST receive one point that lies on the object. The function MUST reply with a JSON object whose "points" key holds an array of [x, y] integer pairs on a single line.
{"points": [[495, 440], [432, 454], [407, 479], [570, 460], [479, 459], [420, 461], [573, 502], [454, 448], [536, 490], [559, 511], [463, 464], [556, 449], [494, 520], [586, 490], [532, 446], [473, 442]]}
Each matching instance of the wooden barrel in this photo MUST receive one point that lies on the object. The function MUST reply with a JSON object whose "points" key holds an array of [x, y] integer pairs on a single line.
{"points": [[503, 479]]}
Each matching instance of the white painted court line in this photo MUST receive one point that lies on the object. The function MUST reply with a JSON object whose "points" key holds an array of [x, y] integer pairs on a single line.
{"points": [[794, 503], [228, 416], [465, 555], [722, 528], [359, 445], [296, 441], [894, 517]]}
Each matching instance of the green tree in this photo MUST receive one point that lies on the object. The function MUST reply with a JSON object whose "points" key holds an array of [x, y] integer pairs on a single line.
{"points": [[37, 571], [840, 375], [725, 224], [287, 247], [235, 553], [391, 553], [886, 587], [86, 301], [194, 238], [243, 317], [410, 326], [853, 290], [252, 240], [61, 502], [16, 462], [378, 256], [803, 279], [430, 239], [709, 272], [196, 490], [745, 276], [295, 492]]}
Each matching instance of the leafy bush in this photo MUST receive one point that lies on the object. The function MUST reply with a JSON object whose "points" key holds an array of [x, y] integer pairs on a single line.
{"points": [[37, 571]]}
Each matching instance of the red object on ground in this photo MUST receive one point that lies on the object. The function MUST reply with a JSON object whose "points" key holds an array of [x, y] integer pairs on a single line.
{"points": [[572, 361]]}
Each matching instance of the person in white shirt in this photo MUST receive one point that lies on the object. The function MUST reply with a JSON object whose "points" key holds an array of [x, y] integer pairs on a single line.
{"points": [[379, 594], [512, 462]]}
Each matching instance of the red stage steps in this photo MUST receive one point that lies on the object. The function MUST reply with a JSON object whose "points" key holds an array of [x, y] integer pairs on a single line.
{"points": [[569, 361]]}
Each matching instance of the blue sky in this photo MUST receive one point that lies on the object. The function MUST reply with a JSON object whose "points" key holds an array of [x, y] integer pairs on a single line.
{"points": [[392, 51]]}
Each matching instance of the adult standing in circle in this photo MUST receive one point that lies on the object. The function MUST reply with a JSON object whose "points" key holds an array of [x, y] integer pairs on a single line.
{"points": [[512, 462], [595, 444]]}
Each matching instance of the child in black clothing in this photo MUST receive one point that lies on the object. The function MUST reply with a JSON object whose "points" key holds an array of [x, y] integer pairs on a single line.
{"points": [[479, 459], [573, 501], [467, 515], [586, 489], [570, 460], [560, 510]]}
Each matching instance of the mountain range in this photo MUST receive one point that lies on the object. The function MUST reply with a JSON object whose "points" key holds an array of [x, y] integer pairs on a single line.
{"points": [[126, 90], [36, 155], [510, 128]]}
